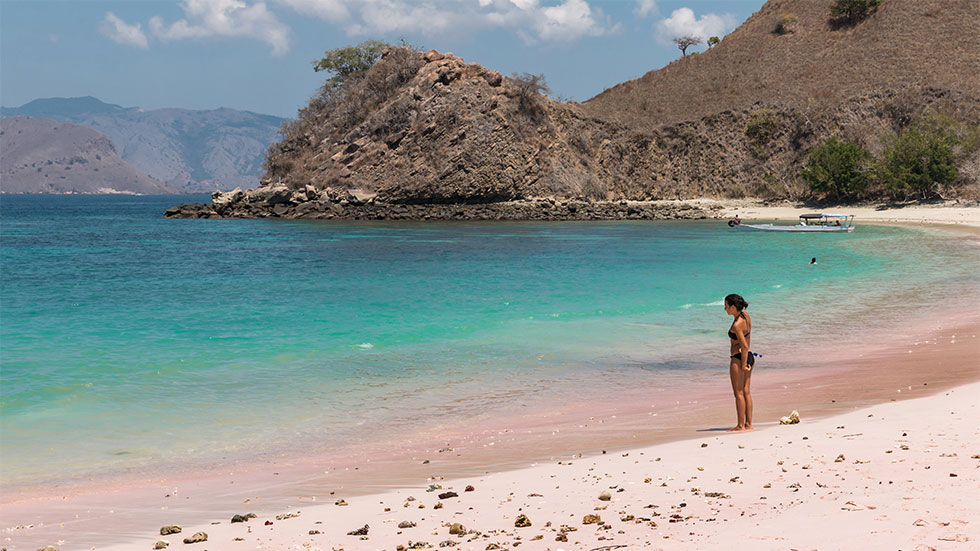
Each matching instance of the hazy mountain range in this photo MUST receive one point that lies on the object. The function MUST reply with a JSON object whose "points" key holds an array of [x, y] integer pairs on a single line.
{"points": [[187, 150]]}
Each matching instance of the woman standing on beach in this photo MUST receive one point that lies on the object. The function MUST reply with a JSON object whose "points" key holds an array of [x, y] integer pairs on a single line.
{"points": [[742, 360]]}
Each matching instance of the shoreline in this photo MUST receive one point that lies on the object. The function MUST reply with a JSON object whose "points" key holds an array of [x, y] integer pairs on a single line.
{"points": [[219, 492], [349, 207]]}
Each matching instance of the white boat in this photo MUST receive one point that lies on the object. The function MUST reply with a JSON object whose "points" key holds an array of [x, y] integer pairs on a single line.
{"points": [[815, 223]]}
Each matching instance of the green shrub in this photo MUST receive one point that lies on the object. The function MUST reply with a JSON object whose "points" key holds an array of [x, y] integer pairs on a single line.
{"points": [[838, 168], [761, 126], [785, 23], [919, 163], [845, 12], [713, 40]]}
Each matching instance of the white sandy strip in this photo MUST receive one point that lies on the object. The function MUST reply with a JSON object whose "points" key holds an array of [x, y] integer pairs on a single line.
{"points": [[901, 475], [952, 212]]}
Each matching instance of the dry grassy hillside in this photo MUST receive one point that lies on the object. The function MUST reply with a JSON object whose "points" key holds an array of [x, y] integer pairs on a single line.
{"points": [[45, 156], [904, 45]]}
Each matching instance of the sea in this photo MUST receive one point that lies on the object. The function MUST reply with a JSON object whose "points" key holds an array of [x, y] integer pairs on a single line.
{"points": [[134, 343]]}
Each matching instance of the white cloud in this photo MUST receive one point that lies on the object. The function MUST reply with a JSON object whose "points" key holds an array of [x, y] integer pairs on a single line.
{"points": [[682, 22], [122, 32], [645, 7], [568, 22], [225, 18], [560, 20]]}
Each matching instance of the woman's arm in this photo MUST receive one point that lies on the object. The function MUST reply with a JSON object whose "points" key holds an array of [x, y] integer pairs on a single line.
{"points": [[743, 345]]}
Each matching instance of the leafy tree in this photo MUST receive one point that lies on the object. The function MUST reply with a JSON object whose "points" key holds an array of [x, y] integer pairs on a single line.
{"points": [[852, 11], [350, 60], [713, 40], [919, 163], [685, 42], [837, 167]]}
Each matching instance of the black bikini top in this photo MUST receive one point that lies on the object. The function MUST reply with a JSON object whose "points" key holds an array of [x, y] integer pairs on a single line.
{"points": [[731, 334]]}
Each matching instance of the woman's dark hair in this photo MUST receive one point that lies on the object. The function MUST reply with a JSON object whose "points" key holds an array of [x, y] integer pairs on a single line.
{"points": [[737, 301]]}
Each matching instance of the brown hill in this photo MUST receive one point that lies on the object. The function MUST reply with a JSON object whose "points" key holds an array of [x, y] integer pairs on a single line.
{"points": [[904, 47], [736, 121], [46, 156]]}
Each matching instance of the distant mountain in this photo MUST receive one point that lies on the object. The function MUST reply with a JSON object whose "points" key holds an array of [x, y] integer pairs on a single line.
{"points": [[46, 156], [190, 151]]}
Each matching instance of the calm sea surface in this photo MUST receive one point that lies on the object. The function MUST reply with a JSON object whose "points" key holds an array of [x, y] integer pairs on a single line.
{"points": [[129, 341]]}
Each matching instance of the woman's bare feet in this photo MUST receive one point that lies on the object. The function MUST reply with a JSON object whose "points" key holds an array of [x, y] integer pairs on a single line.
{"points": [[736, 429]]}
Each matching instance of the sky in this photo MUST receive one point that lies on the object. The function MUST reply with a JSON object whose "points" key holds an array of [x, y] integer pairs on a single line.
{"points": [[257, 55]]}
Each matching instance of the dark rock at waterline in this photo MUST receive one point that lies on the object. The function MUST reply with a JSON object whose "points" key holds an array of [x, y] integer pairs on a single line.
{"points": [[242, 518], [297, 207], [169, 529]]}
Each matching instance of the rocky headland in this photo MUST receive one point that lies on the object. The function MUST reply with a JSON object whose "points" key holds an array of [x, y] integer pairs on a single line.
{"points": [[429, 135]]}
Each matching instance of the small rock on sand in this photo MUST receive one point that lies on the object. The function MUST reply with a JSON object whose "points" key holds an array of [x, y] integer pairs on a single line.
{"points": [[362, 531], [161, 544], [591, 519], [457, 528], [169, 529], [197, 538], [406, 524], [605, 496], [448, 495], [522, 521]]}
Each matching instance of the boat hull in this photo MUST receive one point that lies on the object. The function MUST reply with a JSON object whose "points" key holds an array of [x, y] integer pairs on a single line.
{"points": [[798, 228]]}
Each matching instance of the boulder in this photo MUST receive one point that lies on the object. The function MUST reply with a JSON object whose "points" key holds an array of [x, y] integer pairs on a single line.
{"points": [[219, 199], [432, 55], [269, 195]]}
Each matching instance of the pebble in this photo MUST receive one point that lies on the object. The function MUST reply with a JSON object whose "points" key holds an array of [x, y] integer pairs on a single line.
{"points": [[170, 529], [197, 538], [362, 531], [522, 521], [161, 544]]}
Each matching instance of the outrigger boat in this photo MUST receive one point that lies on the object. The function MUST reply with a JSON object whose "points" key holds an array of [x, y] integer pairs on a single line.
{"points": [[808, 223]]}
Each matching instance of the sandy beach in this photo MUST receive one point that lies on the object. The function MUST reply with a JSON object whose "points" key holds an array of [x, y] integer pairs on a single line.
{"points": [[886, 457], [950, 213]]}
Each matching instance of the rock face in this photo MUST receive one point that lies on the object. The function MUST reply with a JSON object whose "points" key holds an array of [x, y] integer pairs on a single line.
{"points": [[45, 156], [430, 135]]}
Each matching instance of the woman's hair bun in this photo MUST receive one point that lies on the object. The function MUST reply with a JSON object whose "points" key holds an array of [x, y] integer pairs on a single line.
{"points": [[737, 301]]}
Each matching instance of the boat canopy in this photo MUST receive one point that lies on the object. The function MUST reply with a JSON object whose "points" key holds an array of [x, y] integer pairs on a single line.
{"points": [[819, 216]]}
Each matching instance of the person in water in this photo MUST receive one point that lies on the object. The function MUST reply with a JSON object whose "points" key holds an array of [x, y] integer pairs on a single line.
{"points": [[741, 360], [813, 260]]}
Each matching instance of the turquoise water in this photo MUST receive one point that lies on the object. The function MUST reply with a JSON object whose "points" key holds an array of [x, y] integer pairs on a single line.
{"points": [[128, 340]]}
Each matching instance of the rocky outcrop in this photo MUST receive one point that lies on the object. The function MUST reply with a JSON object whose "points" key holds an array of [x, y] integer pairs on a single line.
{"points": [[431, 135], [534, 209]]}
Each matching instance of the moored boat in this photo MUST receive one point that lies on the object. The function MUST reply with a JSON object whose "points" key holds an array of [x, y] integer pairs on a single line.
{"points": [[812, 223]]}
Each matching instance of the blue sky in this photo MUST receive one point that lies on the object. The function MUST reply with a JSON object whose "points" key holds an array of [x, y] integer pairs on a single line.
{"points": [[256, 55]]}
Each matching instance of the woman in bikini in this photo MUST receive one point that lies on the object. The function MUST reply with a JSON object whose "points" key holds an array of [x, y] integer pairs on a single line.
{"points": [[742, 360]]}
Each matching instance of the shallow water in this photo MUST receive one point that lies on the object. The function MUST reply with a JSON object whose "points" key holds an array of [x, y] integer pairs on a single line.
{"points": [[130, 342]]}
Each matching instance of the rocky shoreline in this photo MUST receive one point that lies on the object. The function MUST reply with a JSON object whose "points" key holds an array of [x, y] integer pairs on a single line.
{"points": [[280, 202]]}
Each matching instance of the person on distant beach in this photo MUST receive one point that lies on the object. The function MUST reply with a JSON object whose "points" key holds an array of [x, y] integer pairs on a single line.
{"points": [[813, 260], [741, 360]]}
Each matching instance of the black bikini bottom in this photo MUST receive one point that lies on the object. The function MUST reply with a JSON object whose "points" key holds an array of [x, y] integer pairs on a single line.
{"points": [[739, 357]]}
